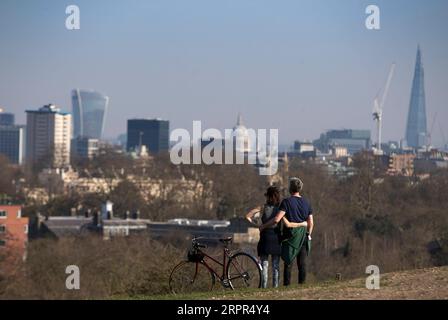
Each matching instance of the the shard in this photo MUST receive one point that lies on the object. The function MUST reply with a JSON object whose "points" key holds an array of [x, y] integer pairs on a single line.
{"points": [[416, 131]]}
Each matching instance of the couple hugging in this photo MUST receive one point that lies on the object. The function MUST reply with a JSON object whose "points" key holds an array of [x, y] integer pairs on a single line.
{"points": [[285, 231]]}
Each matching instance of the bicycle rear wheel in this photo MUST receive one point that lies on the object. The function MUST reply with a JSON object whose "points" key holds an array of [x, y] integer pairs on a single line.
{"points": [[244, 271], [190, 277]]}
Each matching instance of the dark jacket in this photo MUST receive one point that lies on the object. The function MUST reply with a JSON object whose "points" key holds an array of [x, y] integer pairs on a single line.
{"points": [[269, 242]]}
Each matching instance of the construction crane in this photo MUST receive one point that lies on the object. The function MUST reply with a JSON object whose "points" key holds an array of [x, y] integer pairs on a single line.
{"points": [[428, 147], [445, 143], [378, 107]]}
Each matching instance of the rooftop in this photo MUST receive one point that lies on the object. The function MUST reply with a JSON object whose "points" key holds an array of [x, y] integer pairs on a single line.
{"points": [[63, 226], [147, 119], [49, 108]]}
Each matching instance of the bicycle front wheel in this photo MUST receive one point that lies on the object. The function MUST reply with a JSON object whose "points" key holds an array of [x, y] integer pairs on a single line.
{"points": [[244, 271], [189, 277]]}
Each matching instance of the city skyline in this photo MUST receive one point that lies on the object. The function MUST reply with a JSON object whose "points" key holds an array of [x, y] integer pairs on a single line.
{"points": [[202, 62]]}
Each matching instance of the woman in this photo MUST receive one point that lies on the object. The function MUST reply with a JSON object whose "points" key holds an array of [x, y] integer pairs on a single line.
{"points": [[269, 244]]}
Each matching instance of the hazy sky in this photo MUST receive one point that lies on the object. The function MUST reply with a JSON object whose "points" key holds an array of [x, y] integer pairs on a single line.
{"points": [[300, 66]]}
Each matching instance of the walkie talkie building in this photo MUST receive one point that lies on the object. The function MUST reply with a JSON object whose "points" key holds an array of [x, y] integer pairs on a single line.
{"points": [[89, 113]]}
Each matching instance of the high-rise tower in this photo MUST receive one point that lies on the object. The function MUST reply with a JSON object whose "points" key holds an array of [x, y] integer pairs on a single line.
{"points": [[416, 131], [48, 133], [6, 119], [89, 112]]}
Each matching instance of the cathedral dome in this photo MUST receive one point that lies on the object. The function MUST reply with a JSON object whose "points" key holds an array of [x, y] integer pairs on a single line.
{"points": [[241, 136]]}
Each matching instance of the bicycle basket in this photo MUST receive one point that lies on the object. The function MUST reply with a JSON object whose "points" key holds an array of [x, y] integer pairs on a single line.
{"points": [[194, 255]]}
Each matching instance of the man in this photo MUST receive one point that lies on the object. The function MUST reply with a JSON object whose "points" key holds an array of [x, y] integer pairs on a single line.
{"points": [[297, 215]]}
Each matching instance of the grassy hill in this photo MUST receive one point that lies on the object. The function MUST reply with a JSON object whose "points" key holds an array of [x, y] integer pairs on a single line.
{"points": [[430, 283]]}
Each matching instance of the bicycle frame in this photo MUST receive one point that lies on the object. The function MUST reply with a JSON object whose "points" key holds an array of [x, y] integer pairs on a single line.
{"points": [[224, 279], [225, 259]]}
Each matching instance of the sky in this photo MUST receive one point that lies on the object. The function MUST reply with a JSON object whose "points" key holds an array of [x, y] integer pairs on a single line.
{"points": [[302, 67]]}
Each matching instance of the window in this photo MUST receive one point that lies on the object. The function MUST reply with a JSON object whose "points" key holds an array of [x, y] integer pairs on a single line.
{"points": [[2, 214], [19, 214], [2, 228], [2, 243], [26, 229]]}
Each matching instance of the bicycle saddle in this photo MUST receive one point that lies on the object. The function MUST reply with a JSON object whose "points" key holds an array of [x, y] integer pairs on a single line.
{"points": [[226, 240]]}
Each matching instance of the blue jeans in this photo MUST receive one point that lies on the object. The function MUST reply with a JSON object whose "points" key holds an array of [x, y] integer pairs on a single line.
{"points": [[275, 270]]}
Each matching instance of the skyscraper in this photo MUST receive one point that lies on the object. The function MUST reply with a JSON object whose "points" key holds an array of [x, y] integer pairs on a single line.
{"points": [[12, 138], [6, 119], [48, 137], [416, 127], [154, 134], [12, 142], [89, 112]]}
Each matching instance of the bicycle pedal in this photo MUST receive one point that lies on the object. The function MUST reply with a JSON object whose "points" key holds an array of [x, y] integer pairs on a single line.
{"points": [[226, 283]]}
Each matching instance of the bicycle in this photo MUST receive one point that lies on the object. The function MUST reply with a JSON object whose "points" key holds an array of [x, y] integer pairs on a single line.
{"points": [[239, 269]]}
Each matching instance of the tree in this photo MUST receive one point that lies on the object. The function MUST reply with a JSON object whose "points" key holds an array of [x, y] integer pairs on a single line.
{"points": [[238, 189], [61, 205], [127, 197]]}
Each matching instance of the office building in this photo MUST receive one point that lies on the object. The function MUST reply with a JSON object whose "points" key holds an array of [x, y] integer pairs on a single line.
{"points": [[354, 140], [6, 119], [12, 143], [48, 137], [152, 133], [416, 132], [89, 112], [84, 148]]}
